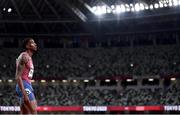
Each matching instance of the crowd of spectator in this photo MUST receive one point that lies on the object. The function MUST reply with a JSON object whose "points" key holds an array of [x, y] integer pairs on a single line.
{"points": [[95, 62], [79, 95]]}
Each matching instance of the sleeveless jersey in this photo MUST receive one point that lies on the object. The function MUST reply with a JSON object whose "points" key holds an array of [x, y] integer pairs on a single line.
{"points": [[27, 72]]}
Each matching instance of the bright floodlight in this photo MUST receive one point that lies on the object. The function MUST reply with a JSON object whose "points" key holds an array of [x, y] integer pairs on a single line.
{"points": [[129, 80], [132, 9], [118, 9], [98, 11], [127, 7], [175, 2], [94, 8], [151, 7], [131, 5], [123, 8], [173, 79], [156, 5], [150, 79], [136, 7], [107, 80], [86, 80], [141, 5], [10, 80], [112, 6], [131, 64], [43, 81], [9, 9], [147, 7], [108, 10], [160, 4], [165, 5], [4, 9], [170, 3], [103, 8]]}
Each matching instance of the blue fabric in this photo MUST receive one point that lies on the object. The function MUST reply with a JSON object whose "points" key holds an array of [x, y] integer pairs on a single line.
{"points": [[29, 90]]}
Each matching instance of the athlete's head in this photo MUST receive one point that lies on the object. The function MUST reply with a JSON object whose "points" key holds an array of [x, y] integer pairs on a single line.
{"points": [[29, 44]]}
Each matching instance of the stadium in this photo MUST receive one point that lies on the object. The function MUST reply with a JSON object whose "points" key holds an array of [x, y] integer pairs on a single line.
{"points": [[94, 56]]}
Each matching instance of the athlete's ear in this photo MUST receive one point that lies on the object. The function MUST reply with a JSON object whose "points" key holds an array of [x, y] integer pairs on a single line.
{"points": [[27, 46]]}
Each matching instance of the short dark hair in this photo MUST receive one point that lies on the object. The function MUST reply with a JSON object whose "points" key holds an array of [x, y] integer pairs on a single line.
{"points": [[24, 42]]}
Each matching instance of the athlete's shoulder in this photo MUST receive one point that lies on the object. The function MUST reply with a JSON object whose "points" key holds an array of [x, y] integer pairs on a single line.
{"points": [[24, 57]]}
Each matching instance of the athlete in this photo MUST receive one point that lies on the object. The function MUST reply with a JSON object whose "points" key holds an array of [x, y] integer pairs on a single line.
{"points": [[24, 74]]}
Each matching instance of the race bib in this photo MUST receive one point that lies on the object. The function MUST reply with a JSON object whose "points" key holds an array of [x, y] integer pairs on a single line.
{"points": [[31, 73]]}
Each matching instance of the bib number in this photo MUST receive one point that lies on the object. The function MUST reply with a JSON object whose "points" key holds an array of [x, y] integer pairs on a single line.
{"points": [[31, 73]]}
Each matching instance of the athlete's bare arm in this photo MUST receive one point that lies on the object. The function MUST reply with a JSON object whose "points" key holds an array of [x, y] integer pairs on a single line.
{"points": [[24, 59]]}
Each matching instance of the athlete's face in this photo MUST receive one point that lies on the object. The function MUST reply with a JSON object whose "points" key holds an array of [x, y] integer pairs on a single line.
{"points": [[32, 45]]}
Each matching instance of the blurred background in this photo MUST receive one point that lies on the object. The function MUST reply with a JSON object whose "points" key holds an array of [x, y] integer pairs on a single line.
{"points": [[94, 56]]}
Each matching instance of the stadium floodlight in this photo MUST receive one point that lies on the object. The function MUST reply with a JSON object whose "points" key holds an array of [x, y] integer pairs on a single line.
{"points": [[165, 5], [4, 9], [173, 79], [103, 8], [141, 5], [118, 9], [0, 80], [146, 7], [131, 64], [114, 11], [43, 81], [151, 7], [123, 8], [108, 10], [160, 4], [112, 7], [98, 11], [94, 8], [47, 66], [170, 3], [150, 79], [107, 80], [129, 80], [10, 80], [64, 81], [86, 80], [175, 2], [131, 5], [156, 5], [9, 10], [127, 7], [53, 81], [74, 81], [32, 81], [137, 7], [132, 9]]}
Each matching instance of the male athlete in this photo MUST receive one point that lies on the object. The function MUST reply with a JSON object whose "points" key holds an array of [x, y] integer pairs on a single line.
{"points": [[24, 74]]}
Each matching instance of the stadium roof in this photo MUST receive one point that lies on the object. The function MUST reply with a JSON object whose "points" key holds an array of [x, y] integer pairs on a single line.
{"points": [[78, 17]]}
